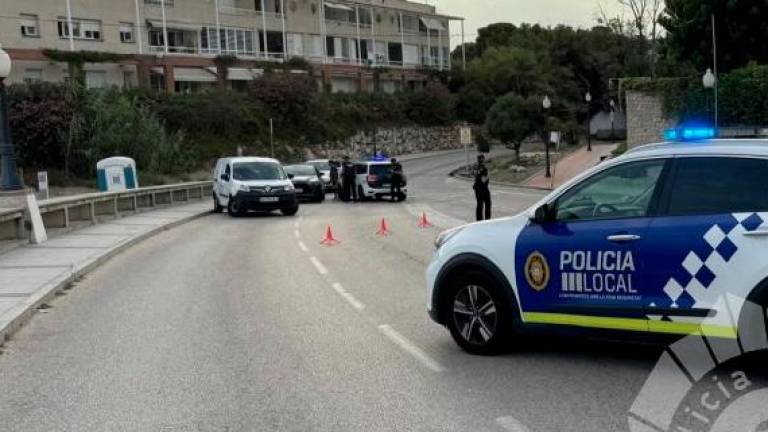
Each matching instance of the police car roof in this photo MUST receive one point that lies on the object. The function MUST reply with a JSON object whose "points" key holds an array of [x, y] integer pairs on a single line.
{"points": [[725, 146]]}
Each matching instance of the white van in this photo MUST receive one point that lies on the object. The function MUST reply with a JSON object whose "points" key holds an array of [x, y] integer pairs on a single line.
{"points": [[251, 183]]}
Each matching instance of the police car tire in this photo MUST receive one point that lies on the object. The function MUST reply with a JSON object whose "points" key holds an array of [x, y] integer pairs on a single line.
{"points": [[503, 331], [217, 208], [751, 316]]}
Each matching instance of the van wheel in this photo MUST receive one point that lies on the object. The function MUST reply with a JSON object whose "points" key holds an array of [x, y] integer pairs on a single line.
{"points": [[234, 208], [477, 315], [217, 208], [290, 211]]}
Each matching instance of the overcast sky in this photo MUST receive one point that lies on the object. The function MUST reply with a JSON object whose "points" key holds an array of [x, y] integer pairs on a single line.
{"points": [[480, 13]]}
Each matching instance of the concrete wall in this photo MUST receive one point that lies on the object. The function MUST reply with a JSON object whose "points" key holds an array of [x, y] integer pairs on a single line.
{"points": [[646, 120], [391, 141]]}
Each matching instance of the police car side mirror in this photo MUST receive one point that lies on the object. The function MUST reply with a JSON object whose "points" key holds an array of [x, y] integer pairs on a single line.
{"points": [[291, 176], [543, 214], [225, 177]]}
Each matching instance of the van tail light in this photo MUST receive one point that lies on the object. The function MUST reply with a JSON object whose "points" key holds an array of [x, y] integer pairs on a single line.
{"points": [[371, 178]]}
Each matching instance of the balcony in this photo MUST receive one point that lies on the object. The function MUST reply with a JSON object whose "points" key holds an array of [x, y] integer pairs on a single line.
{"points": [[273, 8]]}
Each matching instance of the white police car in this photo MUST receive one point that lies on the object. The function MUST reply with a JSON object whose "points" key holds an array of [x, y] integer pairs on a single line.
{"points": [[668, 239]]}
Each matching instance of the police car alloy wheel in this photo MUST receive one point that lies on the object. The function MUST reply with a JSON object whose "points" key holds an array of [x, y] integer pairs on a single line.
{"points": [[477, 316]]}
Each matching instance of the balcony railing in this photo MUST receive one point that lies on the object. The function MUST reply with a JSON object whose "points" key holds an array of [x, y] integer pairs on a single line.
{"points": [[230, 10]]}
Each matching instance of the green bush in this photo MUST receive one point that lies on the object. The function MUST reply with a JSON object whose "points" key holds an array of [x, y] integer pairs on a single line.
{"points": [[39, 115]]}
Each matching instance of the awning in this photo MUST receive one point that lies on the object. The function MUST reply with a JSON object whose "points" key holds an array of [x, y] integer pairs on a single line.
{"points": [[338, 6], [432, 24], [175, 25], [193, 74], [239, 74]]}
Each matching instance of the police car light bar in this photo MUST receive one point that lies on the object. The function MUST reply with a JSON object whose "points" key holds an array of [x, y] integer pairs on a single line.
{"points": [[689, 133]]}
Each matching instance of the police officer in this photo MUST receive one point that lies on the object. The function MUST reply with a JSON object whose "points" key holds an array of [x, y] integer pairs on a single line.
{"points": [[397, 180], [334, 176], [348, 183], [482, 190]]}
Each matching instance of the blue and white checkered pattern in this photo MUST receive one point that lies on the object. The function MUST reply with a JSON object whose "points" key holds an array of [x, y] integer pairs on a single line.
{"points": [[702, 265]]}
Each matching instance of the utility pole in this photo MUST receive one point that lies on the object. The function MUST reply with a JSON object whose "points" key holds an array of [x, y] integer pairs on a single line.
{"points": [[714, 60], [272, 138]]}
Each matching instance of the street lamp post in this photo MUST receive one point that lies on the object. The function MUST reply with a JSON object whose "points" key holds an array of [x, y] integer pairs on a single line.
{"points": [[9, 179], [588, 99], [709, 80], [546, 104]]}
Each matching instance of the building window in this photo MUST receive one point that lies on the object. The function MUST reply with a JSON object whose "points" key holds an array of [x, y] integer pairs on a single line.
{"points": [[126, 33], [233, 41], [33, 76], [29, 25], [95, 79], [81, 29]]}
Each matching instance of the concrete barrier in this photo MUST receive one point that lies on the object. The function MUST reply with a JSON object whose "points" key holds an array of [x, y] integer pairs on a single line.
{"points": [[71, 211]]}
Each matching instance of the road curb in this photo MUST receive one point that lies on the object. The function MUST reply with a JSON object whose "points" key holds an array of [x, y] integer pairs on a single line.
{"points": [[15, 318]]}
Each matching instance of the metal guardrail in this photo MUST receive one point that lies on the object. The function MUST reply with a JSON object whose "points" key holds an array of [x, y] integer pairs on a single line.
{"points": [[90, 208]]}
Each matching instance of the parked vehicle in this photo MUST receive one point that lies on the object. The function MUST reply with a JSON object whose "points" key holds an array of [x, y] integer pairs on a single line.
{"points": [[373, 180], [666, 240], [241, 184], [324, 167], [306, 180]]}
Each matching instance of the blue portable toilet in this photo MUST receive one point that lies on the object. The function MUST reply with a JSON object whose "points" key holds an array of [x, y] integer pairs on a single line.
{"points": [[116, 174]]}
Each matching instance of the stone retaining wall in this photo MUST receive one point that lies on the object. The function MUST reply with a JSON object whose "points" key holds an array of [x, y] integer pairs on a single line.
{"points": [[646, 120], [390, 141]]}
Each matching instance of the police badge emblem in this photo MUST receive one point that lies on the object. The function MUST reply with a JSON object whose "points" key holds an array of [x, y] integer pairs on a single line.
{"points": [[537, 271]]}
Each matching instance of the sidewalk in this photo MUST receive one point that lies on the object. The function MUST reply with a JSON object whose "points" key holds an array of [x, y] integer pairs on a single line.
{"points": [[31, 275], [572, 165]]}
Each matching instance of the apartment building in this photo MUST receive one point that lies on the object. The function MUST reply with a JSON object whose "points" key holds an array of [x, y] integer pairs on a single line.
{"points": [[171, 45]]}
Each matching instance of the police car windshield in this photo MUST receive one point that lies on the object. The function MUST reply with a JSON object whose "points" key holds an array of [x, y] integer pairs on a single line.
{"points": [[246, 171], [300, 170]]}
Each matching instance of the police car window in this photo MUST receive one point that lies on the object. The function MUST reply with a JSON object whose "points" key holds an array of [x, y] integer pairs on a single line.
{"points": [[719, 185], [618, 192]]}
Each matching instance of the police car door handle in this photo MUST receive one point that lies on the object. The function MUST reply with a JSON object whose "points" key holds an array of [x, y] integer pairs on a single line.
{"points": [[757, 233], [623, 238]]}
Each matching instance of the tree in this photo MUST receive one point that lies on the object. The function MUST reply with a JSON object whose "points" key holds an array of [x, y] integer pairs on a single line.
{"points": [[514, 118], [433, 105], [287, 96], [741, 32]]}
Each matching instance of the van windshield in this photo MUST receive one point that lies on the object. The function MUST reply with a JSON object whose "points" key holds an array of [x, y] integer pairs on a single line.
{"points": [[246, 171]]}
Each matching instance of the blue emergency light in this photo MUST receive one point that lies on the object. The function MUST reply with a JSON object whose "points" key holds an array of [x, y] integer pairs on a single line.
{"points": [[379, 158], [690, 133]]}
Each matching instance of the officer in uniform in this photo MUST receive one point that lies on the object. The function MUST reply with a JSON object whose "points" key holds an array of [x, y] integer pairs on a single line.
{"points": [[349, 192], [482, 190], [397, 181], [334, 176]]}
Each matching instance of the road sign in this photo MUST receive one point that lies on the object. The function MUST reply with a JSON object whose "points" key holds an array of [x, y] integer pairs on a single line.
{"points": [[466, 135], [42, 184]]}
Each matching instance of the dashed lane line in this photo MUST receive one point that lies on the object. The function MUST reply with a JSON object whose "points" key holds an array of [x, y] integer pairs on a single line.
{"points": [[303, 247], [319, 266], [297, 234], [348, 297], [409, 347]]}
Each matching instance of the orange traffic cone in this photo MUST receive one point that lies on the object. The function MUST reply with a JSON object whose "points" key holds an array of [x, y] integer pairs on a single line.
{"points": [[383, 228], [424, 222], [329, 240]]}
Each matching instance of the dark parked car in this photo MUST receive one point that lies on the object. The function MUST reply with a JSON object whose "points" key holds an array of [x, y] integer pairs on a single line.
{"points": [[308, 182]]}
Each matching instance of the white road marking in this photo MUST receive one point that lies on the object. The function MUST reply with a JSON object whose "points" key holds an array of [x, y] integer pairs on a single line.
{"points": [[319, 266], [296, 233], [511, 424], [410, 348], [303, 247], [296, 224], [348, 297]]}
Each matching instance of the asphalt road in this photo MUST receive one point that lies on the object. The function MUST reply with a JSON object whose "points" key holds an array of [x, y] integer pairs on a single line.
{"points": [[251, 325]]}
